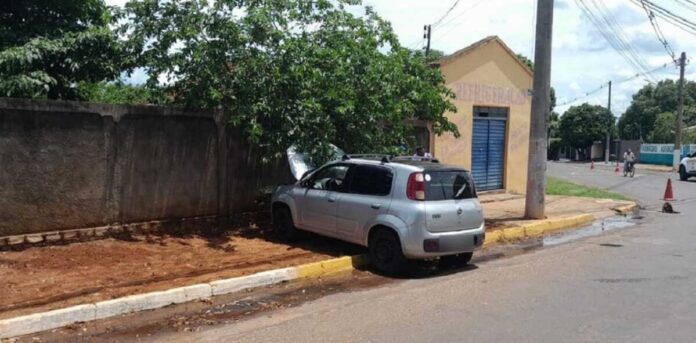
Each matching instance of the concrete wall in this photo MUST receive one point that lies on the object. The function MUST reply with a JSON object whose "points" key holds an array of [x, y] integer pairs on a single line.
{"points": [[66, 165], [489, 76]]}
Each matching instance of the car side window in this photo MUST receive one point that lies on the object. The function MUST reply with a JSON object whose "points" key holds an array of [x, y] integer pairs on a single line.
{"points": [[371, 180], [330, 178]]}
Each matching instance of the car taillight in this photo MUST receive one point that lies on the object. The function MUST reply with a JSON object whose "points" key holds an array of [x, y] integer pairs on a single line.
{"points": [[415, 189]]}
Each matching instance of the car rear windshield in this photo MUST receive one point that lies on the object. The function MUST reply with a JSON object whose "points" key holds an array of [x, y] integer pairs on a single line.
{"points": [[447, 185]]}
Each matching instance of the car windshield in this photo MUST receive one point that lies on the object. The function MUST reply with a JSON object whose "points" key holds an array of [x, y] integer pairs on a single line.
{"points": [[447, 185]]}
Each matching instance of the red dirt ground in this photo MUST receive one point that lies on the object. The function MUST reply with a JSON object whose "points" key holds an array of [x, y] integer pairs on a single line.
{"points": [[44, 278]]}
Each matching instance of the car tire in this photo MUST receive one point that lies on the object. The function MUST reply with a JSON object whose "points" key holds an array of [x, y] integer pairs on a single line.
{"points": [[283, 226], [386, 254], [682, 174], [458, 260]]}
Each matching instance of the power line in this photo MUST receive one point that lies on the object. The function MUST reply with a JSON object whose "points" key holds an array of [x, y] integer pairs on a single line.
{"points": [[438, 36], [594, 91], [615, 27], [658, 32], [437, 22], [676, 20], [613, 34]]}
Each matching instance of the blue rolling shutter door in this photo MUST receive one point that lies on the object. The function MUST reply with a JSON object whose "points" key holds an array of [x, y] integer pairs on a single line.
{"points": [[488, 153], [479, 153]]}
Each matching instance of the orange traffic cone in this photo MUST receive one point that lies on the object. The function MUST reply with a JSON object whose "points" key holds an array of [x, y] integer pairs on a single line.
{"points": [[668, 191]]}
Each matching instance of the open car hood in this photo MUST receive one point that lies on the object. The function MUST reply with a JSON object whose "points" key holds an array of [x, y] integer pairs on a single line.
{"points": [[300, 164]]}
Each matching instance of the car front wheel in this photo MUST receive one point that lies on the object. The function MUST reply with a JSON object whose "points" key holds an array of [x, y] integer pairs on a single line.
{"points": [[283, 226], [682, 174], [386, 254]]}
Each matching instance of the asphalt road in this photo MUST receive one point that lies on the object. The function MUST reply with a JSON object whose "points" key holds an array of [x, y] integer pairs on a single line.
{"points": [[630, 285]]}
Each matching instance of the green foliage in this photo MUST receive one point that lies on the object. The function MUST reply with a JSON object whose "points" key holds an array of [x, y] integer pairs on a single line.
{"points": [[689, 136], [49, 47], [553, 126], [663, 132], [434, 55], [116, 93], [639, 120], [51, 68], [289, 72], [556, 186], [24, 20], [582, 125], [524, 59]]}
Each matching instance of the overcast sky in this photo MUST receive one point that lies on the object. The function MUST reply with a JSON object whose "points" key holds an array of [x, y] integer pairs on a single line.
{"points": [[582, 59]]}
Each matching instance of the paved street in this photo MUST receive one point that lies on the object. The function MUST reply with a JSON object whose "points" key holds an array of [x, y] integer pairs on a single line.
{"points": [[634, 284]]}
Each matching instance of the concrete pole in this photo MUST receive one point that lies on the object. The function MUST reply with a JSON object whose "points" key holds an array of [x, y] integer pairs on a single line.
{"points": [[607, 148], [680, 113], [536, 167], [426, 35]]}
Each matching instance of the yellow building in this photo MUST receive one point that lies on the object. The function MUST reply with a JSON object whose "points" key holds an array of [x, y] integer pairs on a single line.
{"points": [[493, 98]]}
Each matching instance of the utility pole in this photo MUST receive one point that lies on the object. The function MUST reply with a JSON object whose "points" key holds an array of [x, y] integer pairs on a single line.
{"points": [[607, 149], [426, 35], [680, 113], [536, 166]]}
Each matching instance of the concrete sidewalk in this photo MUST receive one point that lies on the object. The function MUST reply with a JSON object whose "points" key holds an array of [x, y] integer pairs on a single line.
{"points": [[510, 210]]}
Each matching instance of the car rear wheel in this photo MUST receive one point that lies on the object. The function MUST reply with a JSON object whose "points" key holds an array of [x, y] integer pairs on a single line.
{"points": [[458, 260], [386, 254], [283, 227], [682, 174]]}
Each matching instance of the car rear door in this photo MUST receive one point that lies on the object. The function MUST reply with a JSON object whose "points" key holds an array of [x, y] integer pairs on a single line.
{"points": [[450, 201], [320, 201], [367, 195]]}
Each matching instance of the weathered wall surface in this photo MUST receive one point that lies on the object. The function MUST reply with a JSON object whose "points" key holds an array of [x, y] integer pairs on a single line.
{"points": [[489, 76], [67, 165]]}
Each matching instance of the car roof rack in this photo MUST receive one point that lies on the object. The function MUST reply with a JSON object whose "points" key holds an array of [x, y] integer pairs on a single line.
{"points": [[369, 156], [415, 158]]}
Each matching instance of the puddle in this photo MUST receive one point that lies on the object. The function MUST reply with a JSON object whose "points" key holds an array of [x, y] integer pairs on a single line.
{"points": [[597, 228]]}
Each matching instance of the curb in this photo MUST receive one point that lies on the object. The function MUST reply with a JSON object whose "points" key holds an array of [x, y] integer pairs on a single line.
{"points": [[38, 322], [536, 229]]}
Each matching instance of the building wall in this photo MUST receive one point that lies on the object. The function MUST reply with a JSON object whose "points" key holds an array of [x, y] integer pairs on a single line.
{"points": [[489, 76], [71, 165]]}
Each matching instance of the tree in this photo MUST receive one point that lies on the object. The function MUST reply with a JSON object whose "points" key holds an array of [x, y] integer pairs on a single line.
{"points": [[289, 72], [48, 47], [524, 59], [116, 93], [640, 117], [582, 125], [663, 132]]}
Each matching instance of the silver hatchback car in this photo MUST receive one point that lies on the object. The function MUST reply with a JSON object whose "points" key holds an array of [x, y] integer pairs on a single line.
{"points": [[398, 208]]}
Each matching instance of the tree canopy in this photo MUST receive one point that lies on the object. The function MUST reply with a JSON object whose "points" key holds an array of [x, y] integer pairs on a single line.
{"points": [[48, 47], [640, 118], [289, 73], [524, 59], [582, 125]]}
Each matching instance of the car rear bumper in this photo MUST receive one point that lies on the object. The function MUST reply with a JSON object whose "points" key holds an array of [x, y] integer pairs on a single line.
{"points": [[423, 244]]}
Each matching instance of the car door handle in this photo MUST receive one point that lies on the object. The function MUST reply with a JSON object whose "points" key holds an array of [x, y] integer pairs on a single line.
{"points": [[332, 200], [376, 206]]}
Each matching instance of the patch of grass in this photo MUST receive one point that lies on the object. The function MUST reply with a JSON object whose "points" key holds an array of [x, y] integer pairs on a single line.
{"points": [[556, 186]]}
